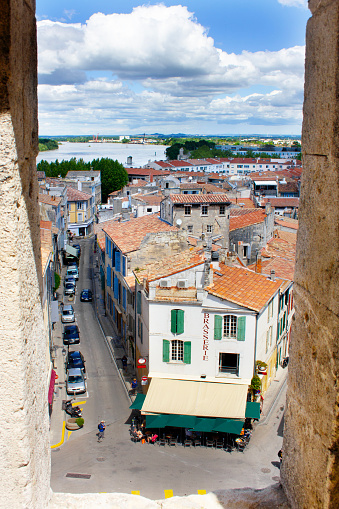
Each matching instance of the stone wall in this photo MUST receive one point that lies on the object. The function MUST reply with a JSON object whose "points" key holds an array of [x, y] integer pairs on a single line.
{"points": [[24, 442], [310, 470]]}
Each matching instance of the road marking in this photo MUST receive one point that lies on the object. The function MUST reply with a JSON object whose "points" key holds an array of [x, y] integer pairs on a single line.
{"points": [[62, 436], [69, 434], [201, 492], [76, 403], [168, 493], [137, 492]]}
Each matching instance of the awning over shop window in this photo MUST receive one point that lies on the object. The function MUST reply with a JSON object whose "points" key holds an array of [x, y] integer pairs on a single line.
{"points": [[187, 397], [51, 387], [233, 426], [252, 410], [204, 425], [228, 426], [181, 421], [71, 250], [138, 402], [156, 421]]}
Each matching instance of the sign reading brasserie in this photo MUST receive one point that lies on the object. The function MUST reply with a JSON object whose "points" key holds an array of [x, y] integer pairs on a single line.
{"points": [[205, 341]]}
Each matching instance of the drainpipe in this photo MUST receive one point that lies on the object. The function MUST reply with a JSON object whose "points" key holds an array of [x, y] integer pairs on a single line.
{"points": [[255, 341]]}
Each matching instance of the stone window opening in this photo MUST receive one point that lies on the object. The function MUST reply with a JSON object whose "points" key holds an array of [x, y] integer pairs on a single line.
{"points": [[229, 363], [187, 210]]}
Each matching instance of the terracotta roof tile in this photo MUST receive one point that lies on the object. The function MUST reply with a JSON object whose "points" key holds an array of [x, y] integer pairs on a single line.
{"points": [[150, 199], [248, 203], [75, 195], [171, 265], [288, 223], [128, 235], [199, 198], [245, 219], [243, 287], [281, 201], [49, 199]]}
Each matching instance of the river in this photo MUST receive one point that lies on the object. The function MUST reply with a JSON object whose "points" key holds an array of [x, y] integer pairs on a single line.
{"points": [[140, 154]]}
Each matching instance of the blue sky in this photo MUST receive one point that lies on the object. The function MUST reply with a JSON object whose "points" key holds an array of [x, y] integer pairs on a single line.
{"points": [[217, 67]]}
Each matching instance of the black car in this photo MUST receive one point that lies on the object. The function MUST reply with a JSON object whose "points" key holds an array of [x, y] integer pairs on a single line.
{"points": [[86, 295], [71, 335], [75, 360]]}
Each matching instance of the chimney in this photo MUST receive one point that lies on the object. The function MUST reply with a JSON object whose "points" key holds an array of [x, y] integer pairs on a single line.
{"points": [[79, 185], [272, 275], [258, 265]]}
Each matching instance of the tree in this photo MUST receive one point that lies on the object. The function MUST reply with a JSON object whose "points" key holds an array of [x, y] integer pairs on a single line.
{"points": [[113, 176]]}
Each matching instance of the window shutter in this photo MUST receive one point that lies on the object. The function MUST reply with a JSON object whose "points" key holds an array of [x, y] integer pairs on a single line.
{"points": [[187, 352], [217, 327], [117, 261], [165, 350], [139, 302], [141, 333], [241, 328], [109, 276], [113, 257], [180, 321], [174, 321], [116, 288], [124, 299], [124, 266]]}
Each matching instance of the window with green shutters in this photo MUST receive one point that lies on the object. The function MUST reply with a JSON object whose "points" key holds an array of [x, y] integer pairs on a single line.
{"points": [[177, 321], [217, 327], [165, 350], [241, 328]]}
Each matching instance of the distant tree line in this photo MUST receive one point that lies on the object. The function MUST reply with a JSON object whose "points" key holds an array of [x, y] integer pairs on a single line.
{"points": [[113, 174], [47, 144]]}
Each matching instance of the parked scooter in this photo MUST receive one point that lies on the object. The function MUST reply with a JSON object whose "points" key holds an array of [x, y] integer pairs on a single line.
{"points": [[73, 411]]}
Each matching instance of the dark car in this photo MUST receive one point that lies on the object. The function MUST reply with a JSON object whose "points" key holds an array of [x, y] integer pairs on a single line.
{"points": [[86, 295], [71, 335], [75, 360], [69, 288]]}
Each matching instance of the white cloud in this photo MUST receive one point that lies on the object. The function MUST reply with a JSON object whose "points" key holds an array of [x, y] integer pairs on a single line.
{"points": [[294, 3], [182, 77]]}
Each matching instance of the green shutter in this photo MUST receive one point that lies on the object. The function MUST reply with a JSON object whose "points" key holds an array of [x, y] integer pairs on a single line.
{"points": [[174, 321], [165, 350], [187, 352], [180, 321], [217, 327], [241, 328]]}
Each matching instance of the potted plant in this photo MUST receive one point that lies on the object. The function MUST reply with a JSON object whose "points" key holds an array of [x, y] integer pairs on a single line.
{"points": [[255, 386], [261, 367]]}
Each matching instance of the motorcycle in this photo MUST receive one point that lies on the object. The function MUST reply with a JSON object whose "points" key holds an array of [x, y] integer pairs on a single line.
{"points": [[73, 411]]}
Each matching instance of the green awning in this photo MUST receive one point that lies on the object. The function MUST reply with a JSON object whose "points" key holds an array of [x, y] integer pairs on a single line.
{"points": [[181, 421], [156, 421], [204, 424], [138, 402], [233, 426], [252, 410]]}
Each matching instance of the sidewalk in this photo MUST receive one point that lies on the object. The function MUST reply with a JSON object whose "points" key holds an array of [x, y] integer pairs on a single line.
{"points": [[272, 393]]}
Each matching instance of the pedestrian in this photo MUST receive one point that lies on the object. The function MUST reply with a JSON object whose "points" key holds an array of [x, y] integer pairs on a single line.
{"points": [[134, 384], [280, 454], [101, 428]]}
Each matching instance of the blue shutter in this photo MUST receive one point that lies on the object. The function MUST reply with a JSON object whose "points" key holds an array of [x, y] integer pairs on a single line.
{"points": [[117, 261], [107, 245], [116, 288], [217, 327], [113, 256], [109, 280], [124, 261], [124, 299], [241, 328], [139, 302]]}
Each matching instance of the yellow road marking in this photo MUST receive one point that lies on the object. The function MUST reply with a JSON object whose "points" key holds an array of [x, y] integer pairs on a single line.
{"points": [[79, 403], [201, 492], [62, 436], [168, 493], [69, 434], [137, 492]]}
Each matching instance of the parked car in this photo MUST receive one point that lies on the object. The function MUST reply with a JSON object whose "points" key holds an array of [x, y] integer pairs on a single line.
{"points": [[69, 289], [75, 381], [71, 335], [86, 295], [73, 272], [69, 279], [75, 360], [78, 248], [67, 314]]}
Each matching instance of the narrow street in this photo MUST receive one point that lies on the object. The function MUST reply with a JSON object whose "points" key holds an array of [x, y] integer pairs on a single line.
{"points": [[119, 465]]}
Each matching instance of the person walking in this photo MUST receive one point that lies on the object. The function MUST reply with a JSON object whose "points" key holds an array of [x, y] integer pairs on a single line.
{"points": [[101, 428], [134, 385], [124, 362]]}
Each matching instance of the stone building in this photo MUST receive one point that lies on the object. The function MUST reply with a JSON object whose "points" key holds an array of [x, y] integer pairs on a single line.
{"points": [[198, 214]]}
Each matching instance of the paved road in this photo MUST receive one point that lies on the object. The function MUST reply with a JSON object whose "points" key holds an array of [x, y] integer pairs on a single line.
{"points": [[119, 465]]}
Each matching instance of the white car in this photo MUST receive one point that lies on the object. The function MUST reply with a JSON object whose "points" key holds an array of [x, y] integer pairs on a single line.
{"points": [[67, 314], [75, 382]]}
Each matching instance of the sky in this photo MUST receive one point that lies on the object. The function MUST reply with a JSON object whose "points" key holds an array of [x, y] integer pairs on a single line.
{"points": [[217, 67]]}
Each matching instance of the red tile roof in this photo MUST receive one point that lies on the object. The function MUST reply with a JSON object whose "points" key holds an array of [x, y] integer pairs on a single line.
{"points": [[128, 235], [75, 195], [199, 198], [243, 220], [243, 287], [49, 199], [281, 201], [288, 223], [248, 203]]}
